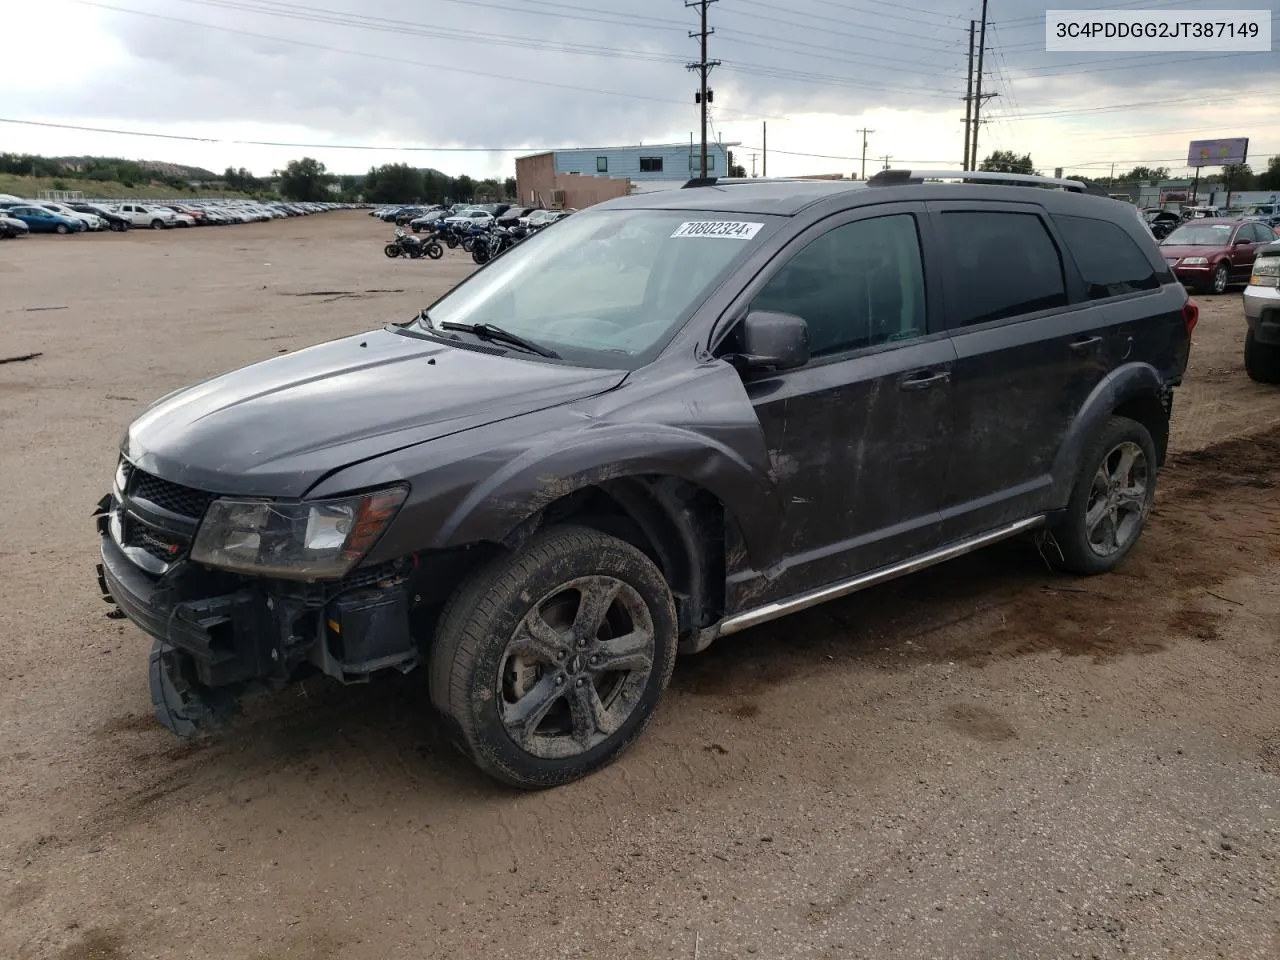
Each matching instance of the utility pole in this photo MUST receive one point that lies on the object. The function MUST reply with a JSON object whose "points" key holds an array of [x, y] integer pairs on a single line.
{"points": [[887, 158], [703, 67], [977, 95], [864, 131], [753, 165], [968, 102], [764, 150]]}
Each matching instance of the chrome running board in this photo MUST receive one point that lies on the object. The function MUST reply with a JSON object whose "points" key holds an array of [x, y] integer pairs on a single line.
{"points": [[803, 601]]}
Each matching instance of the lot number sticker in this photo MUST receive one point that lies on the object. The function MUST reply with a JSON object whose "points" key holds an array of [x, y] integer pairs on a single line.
{"points": [[718, 229]]}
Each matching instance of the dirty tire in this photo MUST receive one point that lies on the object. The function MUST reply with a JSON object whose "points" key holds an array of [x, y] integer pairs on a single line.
{"points": [[1072, 532], [1221, 279], [1261, 360], [467, 675]]}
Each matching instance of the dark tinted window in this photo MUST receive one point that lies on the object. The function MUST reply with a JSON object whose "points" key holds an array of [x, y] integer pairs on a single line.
{"points": [[1110, 262], [1003, 265], [857, 285], [651, 164]]}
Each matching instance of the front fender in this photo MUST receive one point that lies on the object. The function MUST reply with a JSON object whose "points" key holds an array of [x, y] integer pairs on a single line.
{"points": [[1131, 381], [565, 464]]}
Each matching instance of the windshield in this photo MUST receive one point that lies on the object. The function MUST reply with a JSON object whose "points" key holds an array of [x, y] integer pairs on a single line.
{"points": [[605, 287], [1199, 235]]}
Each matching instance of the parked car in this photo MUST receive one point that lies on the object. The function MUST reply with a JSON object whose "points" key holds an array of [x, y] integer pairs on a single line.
{"points": [[1268, 213], [91, 221], [470, 218], [113, 221], [1211, 254], [1262, 315], [596, 475], [144, 215], [1161, 222], [543, 218], [11, 226], [40, 220]]}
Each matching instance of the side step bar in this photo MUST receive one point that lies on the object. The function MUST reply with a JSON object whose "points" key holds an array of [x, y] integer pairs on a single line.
{"points": [[803, 601]]}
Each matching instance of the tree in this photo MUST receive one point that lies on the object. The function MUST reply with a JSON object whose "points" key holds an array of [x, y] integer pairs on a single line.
{"points": [[1006, 161], [241, 179], [462, 188], [736, 169], [509, 188], [1147, 174], [304, 179], [393, 183], [1270, 179], [1240, 176]]}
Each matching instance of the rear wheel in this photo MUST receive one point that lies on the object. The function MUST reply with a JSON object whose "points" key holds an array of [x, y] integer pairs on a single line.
{"points": [[549, 662], [1112, 497], [1261, 360], [434, 250]]}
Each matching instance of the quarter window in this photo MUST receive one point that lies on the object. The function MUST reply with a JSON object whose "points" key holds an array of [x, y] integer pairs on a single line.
{"points": [[1109, 261], [1004, 265], [858, 285]]}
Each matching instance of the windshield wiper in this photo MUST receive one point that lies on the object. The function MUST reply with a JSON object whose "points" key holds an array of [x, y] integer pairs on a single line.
{"points": [[490, 331]]}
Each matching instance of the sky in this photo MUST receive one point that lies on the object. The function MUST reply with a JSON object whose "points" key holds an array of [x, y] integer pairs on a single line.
{"points": [[492, 79]]}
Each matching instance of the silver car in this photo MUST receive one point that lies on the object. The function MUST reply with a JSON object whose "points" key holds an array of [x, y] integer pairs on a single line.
{"points": [[1262, 312]]}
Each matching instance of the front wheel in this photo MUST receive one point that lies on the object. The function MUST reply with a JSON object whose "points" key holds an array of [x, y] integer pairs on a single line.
{"points": [[480, 254], [391, 250], [550, 662], [1111, 500], [1221, 278], [157, 224], [1261, 360], [61, 228]]}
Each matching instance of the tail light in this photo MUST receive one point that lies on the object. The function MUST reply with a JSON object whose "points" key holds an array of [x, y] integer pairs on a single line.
{"points": [[1190, 315]]}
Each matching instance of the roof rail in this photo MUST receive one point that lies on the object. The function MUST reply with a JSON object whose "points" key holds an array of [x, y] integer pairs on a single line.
{"points": [[729, 181], [888, 178]]}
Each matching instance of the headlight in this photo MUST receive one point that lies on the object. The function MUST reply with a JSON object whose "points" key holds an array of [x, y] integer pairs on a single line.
{"points": [[1194, 262], [1266, 272], [319, 539]]}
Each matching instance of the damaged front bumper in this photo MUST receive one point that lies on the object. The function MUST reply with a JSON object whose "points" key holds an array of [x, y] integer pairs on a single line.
{"points": [[215, 633]]}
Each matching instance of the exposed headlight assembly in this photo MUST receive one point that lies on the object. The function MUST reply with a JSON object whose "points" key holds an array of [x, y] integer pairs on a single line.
{"points": [[1266, 272], [1194, 262], [311, 540]]}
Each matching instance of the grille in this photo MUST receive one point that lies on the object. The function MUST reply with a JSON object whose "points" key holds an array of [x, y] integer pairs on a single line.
{"points": [[136, 535], [174, 497]]}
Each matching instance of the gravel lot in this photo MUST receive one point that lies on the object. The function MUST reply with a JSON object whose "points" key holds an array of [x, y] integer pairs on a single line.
{"points": [[983, 761]]}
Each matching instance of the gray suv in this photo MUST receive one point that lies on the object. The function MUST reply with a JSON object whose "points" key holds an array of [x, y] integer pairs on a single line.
{"points": [[668, 419]]}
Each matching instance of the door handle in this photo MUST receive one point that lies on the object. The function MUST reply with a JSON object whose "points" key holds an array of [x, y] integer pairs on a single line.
{"points": [[925, 379], [1088, 343]]}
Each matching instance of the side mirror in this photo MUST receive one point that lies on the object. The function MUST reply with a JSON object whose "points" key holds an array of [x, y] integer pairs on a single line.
{"points": [[776, 340]]}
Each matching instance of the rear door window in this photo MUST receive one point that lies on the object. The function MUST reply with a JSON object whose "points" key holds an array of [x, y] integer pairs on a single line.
{"points": [[1004, 264], [1109, 261]]}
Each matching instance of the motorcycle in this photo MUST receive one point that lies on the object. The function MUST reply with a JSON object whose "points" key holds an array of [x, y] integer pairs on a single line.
{"points": [[413, 247]]}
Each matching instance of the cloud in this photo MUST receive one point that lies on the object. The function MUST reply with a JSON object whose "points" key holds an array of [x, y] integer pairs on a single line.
{"points": [[498, 73]]}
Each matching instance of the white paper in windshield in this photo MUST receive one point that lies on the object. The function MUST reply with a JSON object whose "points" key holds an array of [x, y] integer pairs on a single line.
{"points": [[718, 229]]}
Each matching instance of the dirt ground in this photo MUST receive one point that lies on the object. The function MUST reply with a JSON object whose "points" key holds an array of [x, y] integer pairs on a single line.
{"points": [[982, 761]]}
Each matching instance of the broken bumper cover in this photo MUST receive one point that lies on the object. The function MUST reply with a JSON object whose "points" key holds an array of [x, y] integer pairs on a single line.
{"points": [[220, 634]]}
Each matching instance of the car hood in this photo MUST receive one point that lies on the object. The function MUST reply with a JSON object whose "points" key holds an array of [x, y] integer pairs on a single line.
{"points": [[1178, 252], [277, 427]]}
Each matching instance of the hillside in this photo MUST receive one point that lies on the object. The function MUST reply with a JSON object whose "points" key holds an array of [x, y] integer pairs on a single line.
{"points": [[30, 186]]}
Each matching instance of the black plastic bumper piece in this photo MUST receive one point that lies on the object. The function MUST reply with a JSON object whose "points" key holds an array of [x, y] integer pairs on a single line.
{"points": [[227, 637]]}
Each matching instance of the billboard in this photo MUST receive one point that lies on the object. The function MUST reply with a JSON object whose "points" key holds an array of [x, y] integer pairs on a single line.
{"points": [[1217, 153], [1175, 195]]}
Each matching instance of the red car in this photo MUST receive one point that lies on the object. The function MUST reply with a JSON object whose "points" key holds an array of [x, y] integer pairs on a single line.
{"points": [[1213, 253]]}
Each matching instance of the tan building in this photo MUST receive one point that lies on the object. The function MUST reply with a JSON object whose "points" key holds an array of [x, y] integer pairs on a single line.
{"points": [[538, 184]]}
